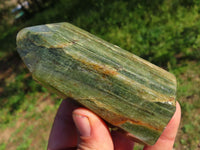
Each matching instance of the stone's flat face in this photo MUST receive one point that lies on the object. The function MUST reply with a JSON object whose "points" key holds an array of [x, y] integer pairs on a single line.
{"points": [[125, 90]]}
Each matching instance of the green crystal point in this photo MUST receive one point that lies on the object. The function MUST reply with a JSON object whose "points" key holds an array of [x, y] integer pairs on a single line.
{"points": [[125, 90]]}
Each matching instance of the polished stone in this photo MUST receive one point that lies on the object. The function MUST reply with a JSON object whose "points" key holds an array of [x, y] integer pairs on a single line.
{"points": [[126, 91]]}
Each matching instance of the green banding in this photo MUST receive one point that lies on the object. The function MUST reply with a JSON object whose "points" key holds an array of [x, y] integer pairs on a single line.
{"points": [[123, 89], [114, 49], [137, 77], [143, 132], [92, 80], [98, 46]]}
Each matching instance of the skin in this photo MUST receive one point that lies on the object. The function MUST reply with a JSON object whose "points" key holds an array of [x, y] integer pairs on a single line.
{"points": [[73, 122]]}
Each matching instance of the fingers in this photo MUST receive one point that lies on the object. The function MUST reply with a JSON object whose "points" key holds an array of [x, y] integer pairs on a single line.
{"points": [[121, 141], [166, 140], [94, 134], [63, 134]]}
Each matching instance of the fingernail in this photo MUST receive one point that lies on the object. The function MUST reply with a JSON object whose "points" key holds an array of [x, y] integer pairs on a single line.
{"points": [[82, 124]]}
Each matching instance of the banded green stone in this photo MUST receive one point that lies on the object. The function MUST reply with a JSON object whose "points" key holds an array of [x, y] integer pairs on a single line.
{"points": [[123, 89]]}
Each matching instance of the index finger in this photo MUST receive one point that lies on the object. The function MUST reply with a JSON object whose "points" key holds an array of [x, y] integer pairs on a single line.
{"points": [[63, 133]]}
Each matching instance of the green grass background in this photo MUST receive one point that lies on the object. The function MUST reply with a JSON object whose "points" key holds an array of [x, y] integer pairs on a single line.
{"points": [[164, 32]]}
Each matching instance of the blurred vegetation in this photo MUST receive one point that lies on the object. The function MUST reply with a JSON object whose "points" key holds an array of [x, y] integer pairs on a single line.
{"points": [[164, 32]]}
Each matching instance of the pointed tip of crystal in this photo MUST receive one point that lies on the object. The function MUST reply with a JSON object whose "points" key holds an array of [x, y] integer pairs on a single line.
{"points": [[26, 46]]}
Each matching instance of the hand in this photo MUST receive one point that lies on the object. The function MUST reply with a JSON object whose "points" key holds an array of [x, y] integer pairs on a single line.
{"points": [[93, 133]]}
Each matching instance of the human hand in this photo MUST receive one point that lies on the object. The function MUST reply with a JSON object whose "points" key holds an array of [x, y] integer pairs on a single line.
{"points": [[93, 133]]}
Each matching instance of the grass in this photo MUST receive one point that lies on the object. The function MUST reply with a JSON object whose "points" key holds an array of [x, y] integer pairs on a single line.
{"points": [[189, 95], [163, 32]]}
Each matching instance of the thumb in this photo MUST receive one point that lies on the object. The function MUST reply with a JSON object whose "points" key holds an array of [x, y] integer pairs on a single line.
{"points": [[94, 134]]}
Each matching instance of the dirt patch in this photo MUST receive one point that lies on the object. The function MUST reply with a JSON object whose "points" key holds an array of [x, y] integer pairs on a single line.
{"points": [[7, 133], [38, 119]]}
